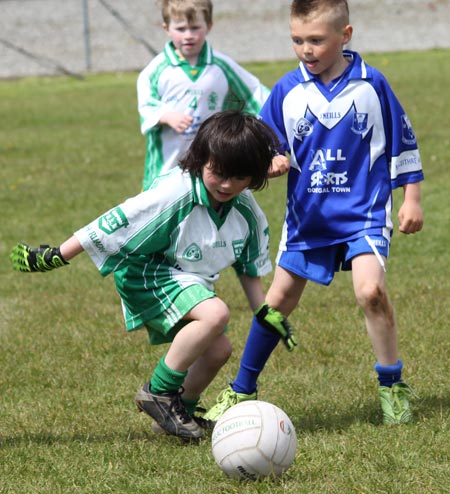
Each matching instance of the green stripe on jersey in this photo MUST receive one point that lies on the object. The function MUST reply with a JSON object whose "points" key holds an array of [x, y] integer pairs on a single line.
{"points": [[237, 90], [157, 229]]}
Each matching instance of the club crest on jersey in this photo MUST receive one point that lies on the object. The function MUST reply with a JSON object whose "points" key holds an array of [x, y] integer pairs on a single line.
{"points": [[303, 128], [213, 98], [193, 253], [238, 247], [408, 136], [112, 221], [359, 125]]}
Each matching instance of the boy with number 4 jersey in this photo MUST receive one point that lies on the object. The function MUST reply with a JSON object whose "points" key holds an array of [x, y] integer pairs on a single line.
{"points": [[350, 144], [185, 84], [166, 248]]}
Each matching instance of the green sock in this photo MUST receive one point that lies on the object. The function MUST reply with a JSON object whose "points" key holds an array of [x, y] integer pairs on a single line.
{"points": [[165, 379], [190, 405]]}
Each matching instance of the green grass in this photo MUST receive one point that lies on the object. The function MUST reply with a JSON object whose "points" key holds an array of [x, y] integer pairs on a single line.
{"points": [[69, 150]]}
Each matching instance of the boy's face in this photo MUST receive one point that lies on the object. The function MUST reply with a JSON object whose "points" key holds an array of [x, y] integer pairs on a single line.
{"points": [[188, 37], [221, 189], [318, 44]]}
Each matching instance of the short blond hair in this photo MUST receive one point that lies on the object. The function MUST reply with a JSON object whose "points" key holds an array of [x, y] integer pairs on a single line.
{"points": [[336, 10], [188, 9]]}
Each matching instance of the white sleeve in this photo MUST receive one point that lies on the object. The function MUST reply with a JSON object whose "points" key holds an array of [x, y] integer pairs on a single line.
{"points": [[150, 106]]}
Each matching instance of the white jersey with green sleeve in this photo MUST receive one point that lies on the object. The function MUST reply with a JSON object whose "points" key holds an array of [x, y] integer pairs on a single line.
{"points": [[170, 83], [167, 239]]}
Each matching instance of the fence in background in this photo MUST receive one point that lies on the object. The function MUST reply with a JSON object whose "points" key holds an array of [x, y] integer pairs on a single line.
{"points": [[76, 36]]}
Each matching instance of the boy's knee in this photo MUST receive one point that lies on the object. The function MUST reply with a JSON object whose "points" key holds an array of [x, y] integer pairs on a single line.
{"points": [[220, 315], [223, 317], [373, 297]]}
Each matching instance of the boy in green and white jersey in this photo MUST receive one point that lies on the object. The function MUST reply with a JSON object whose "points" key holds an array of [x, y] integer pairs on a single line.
{"points": [[166, 248], [185, 84]]}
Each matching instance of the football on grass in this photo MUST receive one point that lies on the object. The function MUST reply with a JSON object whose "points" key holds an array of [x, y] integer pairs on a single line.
{"points": [[254, 439]]}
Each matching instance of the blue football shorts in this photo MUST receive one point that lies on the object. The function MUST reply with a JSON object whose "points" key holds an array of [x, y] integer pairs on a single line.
{"points": [[319, 265]]}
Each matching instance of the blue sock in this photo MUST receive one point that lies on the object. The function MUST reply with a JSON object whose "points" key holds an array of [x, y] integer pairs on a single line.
{"points": [[389, 374], [258, 348]]}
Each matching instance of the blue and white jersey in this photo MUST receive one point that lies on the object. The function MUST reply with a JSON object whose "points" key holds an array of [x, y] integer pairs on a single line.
{"points": [[350, 144]]}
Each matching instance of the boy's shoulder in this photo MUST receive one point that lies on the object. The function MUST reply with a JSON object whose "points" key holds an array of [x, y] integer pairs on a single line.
{"points": [[247, 200], [360, 69], [288, 80], [217, 55], [173, 176], [155, 62]]}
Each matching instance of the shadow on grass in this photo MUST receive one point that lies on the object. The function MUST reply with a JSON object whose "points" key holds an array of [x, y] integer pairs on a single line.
{"points": [[329, 420], [49, 438], [313, 421]]}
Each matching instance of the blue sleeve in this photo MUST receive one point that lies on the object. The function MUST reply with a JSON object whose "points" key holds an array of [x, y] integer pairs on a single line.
{"points": [[272, 114], [402, 152]]}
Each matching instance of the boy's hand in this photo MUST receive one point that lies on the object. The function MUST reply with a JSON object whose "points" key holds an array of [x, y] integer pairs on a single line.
{"points": [[41, 259], [410, 214], [274, 321], [410, 217], [280, 166], [179, 121]]}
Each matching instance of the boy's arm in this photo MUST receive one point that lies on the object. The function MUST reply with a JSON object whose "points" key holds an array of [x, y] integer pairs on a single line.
{"points": [[253, 290], [410, 215], [152, 110], [71, 248], [44, 258]]}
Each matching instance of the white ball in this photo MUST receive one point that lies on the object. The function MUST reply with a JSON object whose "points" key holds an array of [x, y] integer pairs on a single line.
{"points": [[254, 439]]}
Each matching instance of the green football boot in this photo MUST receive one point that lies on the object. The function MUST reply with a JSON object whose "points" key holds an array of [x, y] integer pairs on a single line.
{"points": [[395, 403], [226, 399]]}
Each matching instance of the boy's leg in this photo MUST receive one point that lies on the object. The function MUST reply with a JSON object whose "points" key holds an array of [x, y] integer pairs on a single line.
{"points": [[370, 290], [283, 296], [195, 344], [205, 368]]}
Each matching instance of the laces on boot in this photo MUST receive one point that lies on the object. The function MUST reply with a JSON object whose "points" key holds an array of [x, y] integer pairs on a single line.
{"points": [[178, 406]]}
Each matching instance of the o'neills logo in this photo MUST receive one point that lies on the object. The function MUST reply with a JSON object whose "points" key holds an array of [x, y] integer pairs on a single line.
{"points": [[285, 428]]}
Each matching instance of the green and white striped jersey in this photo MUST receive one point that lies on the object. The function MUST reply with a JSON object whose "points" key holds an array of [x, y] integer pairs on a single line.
{"points": [[170, 83], [168, 238]]}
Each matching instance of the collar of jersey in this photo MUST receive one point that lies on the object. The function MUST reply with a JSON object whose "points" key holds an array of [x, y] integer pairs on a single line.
{"points": [[356, 70], [201, 197], [204, 59]]}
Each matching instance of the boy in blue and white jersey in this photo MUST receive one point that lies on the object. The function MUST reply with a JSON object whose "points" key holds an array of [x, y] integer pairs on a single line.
{"points": [[185, 84], [350, 144], [166, 248]]}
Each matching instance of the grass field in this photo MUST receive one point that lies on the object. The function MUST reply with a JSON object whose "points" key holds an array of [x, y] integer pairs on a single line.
{"points": [[71, 149]]}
